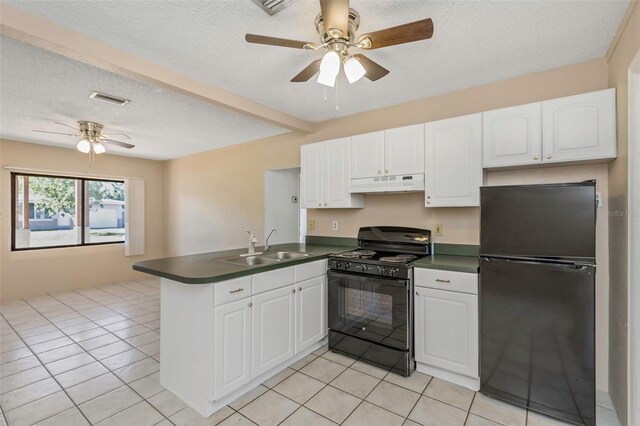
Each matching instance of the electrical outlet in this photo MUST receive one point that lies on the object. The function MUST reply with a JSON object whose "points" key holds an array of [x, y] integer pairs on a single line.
{"points": [[334, 225], [438, 230], [311, 224]]}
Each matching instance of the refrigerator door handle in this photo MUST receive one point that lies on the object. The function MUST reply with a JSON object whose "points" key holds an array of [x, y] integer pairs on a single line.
{"points": [[574, 266]]}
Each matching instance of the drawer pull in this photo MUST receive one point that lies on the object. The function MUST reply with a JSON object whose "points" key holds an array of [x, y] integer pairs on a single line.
{"points": [[237, 290], [442, 281], [299, 288], [417, 293]]}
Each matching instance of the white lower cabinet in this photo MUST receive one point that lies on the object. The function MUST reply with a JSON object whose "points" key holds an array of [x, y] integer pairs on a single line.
{"points": [[311, 312], [232, 348], [258, 334], [446, 331], [272, 329]]}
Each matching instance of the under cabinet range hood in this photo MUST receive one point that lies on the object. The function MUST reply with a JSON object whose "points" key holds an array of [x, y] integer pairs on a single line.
{"points": [[386, 184]]}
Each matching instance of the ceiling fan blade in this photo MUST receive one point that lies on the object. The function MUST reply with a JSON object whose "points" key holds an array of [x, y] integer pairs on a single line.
{"points": [[312, 69], [407, 33], [118, 143], [66, 125], [57, 133], [374, 71], [275, 41], [109, 136], [335, 15]]}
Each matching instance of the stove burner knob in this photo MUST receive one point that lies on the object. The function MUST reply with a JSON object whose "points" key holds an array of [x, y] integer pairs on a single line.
{"points": [[364, 268], [382, 269], [338, 264], [347, 265], [393, 272]]}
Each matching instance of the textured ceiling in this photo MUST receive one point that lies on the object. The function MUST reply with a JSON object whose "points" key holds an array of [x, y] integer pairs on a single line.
{"points": [[39, 87], [475, 42]]}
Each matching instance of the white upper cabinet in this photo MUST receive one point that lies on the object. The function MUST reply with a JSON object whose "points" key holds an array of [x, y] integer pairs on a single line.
{"points": [[453, 161], [325, 175], [312, 175], [512, 136], [367, 155], [404, 150], [581, 127]]}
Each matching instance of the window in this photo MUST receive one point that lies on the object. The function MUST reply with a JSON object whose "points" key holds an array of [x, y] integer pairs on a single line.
{"points": [[58, 211]]}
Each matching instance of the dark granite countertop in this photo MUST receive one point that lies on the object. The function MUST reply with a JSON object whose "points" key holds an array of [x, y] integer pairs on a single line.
{"points": [[448, 262], [208, 268]]}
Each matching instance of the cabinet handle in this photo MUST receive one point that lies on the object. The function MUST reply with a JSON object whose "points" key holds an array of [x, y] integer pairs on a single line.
{"points": [[549, 156], [293, 290], [237, 290], [417, 293], [299, 288], [325, 204], [379, 172], [319, 204], [250, 304], [386, 171], [442, 281], [535, 157]]}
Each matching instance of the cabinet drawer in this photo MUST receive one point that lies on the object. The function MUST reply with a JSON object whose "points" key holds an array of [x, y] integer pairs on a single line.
{"points": [[271, 280], [232, 290], [310, 270], [446, 280]]}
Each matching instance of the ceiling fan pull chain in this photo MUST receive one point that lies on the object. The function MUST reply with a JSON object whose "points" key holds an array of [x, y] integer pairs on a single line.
{"points": [[325, 92], [337, 94]]}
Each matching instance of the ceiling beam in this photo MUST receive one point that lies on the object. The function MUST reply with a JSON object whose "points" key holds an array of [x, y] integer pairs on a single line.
{"points": [[52, 37]]}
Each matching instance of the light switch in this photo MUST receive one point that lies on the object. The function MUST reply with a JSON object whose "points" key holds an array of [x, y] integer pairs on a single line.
{"points": [[438, 230], [311, 224]]}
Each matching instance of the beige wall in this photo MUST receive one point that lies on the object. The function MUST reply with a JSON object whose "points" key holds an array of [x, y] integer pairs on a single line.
{"points": [[626, 49], [212, 198], [47, 271]]}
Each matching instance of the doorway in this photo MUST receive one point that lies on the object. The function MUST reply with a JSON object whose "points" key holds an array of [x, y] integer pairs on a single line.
{"points": [[282, 206]]}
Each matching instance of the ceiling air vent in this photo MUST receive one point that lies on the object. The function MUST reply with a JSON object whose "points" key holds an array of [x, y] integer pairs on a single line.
{"points": [[272, 6], [109, 98]]}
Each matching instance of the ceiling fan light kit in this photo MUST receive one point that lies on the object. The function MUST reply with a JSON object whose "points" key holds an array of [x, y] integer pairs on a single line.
{"points": [[93, 140], [336, 25]]}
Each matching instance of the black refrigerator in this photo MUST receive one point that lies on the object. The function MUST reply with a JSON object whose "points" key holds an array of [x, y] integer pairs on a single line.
{"points": [[537, 297]]}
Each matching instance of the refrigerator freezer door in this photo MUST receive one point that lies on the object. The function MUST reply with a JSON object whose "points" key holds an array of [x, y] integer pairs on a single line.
{"points": [[550, 221], [537, 330]]}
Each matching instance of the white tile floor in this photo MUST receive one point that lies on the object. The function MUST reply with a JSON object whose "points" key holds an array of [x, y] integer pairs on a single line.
{"points": [[92, 356]]}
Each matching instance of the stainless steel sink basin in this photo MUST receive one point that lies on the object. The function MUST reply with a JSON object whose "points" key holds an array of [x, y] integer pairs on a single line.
{"points": [[248, 260], [286, 255]]}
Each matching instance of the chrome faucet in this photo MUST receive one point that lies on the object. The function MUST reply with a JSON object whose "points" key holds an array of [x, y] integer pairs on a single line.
{"points": [[252, 242], [267, 247]]}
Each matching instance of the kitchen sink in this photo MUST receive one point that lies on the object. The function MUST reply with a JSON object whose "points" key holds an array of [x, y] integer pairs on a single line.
{"points": [[256, 260], [286, 255]]}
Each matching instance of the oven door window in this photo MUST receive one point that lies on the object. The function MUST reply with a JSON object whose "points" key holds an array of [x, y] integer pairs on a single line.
{"points": [[375, 309]]}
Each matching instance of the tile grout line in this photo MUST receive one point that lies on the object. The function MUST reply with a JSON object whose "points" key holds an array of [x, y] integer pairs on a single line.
{"points": [[57, 382], [98, 361]]}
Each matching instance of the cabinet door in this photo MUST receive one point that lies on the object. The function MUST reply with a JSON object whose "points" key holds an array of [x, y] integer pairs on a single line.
{"points": [[336, 173], [232, 347], [367, 155], [446, 330], [581, 127], [453, 162], [404, 150], [312, 175], [512, 136], [311, 312], [272, 329]]}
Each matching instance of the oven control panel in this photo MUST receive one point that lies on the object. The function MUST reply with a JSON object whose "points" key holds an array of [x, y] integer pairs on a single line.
{"points": [[370, 269]]}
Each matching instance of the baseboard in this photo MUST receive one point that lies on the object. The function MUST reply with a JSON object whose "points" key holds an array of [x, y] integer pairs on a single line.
{"points": [[472, 383]]}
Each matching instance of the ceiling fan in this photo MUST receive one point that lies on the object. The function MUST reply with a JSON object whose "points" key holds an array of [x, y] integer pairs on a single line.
{"points": [[337, 25], [93, 140]]}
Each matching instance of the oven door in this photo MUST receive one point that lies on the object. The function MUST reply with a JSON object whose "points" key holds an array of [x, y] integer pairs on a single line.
{"points": [[376, 309]]}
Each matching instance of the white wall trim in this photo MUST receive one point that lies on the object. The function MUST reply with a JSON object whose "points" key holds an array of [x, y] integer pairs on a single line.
{"points": [[633, 278], [76, 174]]}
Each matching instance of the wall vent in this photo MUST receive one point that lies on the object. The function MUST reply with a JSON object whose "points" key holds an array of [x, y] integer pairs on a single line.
{"points": [[272, 6], [109, 98]]}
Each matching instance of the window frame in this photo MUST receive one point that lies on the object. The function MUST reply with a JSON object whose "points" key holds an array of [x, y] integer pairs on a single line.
{"points": [[83, 216]]}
